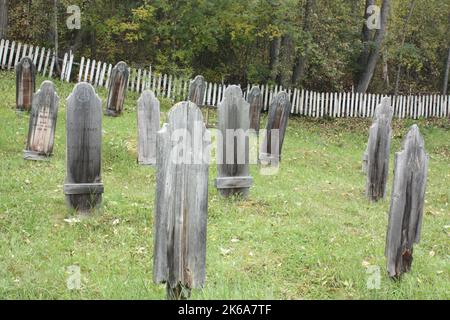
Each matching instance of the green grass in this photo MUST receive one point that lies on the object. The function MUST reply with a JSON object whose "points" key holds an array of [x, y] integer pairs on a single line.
{"points": [[306, 233]]}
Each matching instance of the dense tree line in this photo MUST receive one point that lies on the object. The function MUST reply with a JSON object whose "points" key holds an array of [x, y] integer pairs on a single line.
{"points": [[316, 44]]}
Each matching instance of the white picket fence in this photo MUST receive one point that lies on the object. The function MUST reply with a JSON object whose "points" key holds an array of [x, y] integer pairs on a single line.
{"points": [[304, 102]]}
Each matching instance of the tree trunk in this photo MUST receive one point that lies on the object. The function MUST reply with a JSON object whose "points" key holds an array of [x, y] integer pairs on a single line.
{"points": [[386, 70], [447, 70], [374, 54], [365, 38], [286, 61], [3, 18], [301, 59], [55, 9], [274, 58], [399, 69]]}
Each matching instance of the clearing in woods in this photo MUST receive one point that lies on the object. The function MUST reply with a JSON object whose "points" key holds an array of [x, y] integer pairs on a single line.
{"points": [[308, 232]]}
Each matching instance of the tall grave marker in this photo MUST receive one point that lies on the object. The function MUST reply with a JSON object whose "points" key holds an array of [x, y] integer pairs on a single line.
{"points": [[25, 84], [117, 89], [272, 145], [376, 157], [83, 186], [233, 153], [42, 126], [148, 114], [181, 204], [407, 203]]}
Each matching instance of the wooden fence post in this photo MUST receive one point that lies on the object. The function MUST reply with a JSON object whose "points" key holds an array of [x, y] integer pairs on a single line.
{"points": [[376, 157], [233, 151], [83, 187], [148, 117], [181, 203], [407, 203], [41, 130], [117, 90], [25, 84]]}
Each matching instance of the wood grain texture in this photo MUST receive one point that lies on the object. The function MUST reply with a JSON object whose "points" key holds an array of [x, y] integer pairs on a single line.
{"points": [[25, 84], [378, 151], [255, 99], [117, 89], [197, 89], [148, 119], [83, 143], [279, 110], [407, 203], [233, 152], [42, 125], [181, 203]]}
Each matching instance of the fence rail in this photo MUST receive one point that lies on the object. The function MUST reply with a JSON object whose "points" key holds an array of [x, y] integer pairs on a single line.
{"points": [[304, 102]]}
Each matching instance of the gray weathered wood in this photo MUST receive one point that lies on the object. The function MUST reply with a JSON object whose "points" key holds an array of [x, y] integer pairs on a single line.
{"points": [[272, 145], [197, 89], [83, 186], [41, 131], [407, 203], [234, 182], [148, 117], [181, 203], [25, 84], [255, 99], [233, 152], [378, 151], [117, 89]]}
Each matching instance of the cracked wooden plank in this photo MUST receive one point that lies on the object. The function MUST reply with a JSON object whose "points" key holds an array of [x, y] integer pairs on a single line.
{"points": [[407, 203], [181, 203], [376, 157]]}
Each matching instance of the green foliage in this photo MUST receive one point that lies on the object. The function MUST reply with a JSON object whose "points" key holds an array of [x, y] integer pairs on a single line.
{"points": [[230, 40]]}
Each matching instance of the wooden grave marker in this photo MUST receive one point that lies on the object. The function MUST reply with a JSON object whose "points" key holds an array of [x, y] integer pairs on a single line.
{"points": [[42, 126], [117, 89], [255, 99], [376, 157], [25, 84], [233, 151], [197, 94], [407, 203], [83, 185], [181, 203], [197, 89], [148, 118], [272, 145]]}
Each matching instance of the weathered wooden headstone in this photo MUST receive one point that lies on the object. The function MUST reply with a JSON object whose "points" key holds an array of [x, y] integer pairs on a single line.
{"points": [[181, 204], [233, 151], [197, 89], [255, 100], [117, 89], [83, 185], [378, 151], [25, 84], [148, 117], [41, 131], [272, 145], [407, 203], [197, 95]]}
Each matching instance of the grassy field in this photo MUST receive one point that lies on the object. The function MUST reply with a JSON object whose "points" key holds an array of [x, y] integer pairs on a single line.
{"points": [[306, 233]]}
